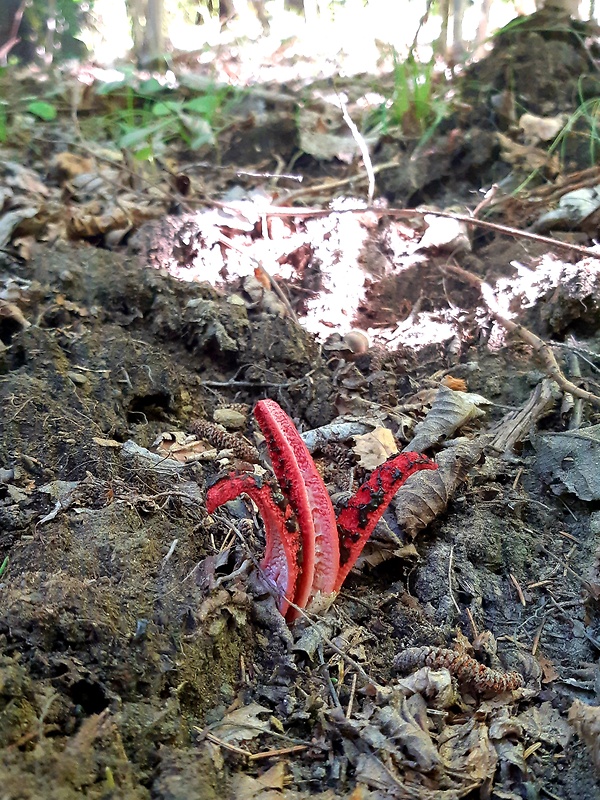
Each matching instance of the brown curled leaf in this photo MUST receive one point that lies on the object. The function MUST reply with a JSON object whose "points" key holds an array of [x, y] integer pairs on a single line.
{"points": [[449, 412], [464, 668], [586, 721], [426, 494]]}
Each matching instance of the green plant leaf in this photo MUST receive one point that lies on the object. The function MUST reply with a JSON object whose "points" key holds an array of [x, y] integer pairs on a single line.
{"points": [[144, 153], [205, 106], [151, 86], [166, 108], [43, 110], [136, 136]]}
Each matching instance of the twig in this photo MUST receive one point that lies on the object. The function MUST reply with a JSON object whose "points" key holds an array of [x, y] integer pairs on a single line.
{"points": [[456, 606], [560, 608], [542, 349], [170, 552], [227, 745], [243, 569], [279, 292], [258, 384], [362, 145], [323, 187], [243, 172], [572, 572], [577, 413], [325, 671], [352, 693], [549, 794], [422, 21], [284, 751], [538, 636], [472, 622], [407, 213], [517, 586]]}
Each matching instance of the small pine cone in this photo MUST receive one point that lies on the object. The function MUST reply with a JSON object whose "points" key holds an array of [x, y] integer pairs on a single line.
{"points": [[223, 440], [379, 358], [466, 669], [339, 454]]}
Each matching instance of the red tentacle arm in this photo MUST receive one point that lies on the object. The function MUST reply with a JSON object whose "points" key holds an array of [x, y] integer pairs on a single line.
{"points": [[303, 487], [365, 508], [280, 562]]}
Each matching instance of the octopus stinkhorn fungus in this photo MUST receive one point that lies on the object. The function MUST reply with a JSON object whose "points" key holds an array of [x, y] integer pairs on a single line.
{"points": [[318, 559]]}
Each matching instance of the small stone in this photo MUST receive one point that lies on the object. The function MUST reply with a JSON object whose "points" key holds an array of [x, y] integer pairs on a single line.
{"points": [[77, 378], [230, 419]]}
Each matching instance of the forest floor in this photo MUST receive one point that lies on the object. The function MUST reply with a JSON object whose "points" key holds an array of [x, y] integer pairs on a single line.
{"points": [[139, 659]]}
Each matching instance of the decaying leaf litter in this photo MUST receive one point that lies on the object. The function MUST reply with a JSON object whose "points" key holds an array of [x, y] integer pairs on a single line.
{"points": [[142, 656]]}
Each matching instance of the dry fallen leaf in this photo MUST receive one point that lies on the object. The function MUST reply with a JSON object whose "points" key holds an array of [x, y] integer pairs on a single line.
{"points": [[426, 494], [182, 447], [549, 672], [540, 129], [586, 721], [467, 751], [268, 786], [449, 412], [545, 724], [68, 165], [435, 685], [375, 447], [528, 157], [243, 724]]}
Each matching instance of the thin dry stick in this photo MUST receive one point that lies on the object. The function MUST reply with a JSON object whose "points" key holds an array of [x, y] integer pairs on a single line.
{"points": [[408, 213], [537, 637], [330, 686], [472, 623], [531, 750], [279, 292], [494, 226], [284, 751], [362, 145], [572, 572], [352, 693], [542, 349], [278, 208], [227, 745], [577, 413], [517, 586]]}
